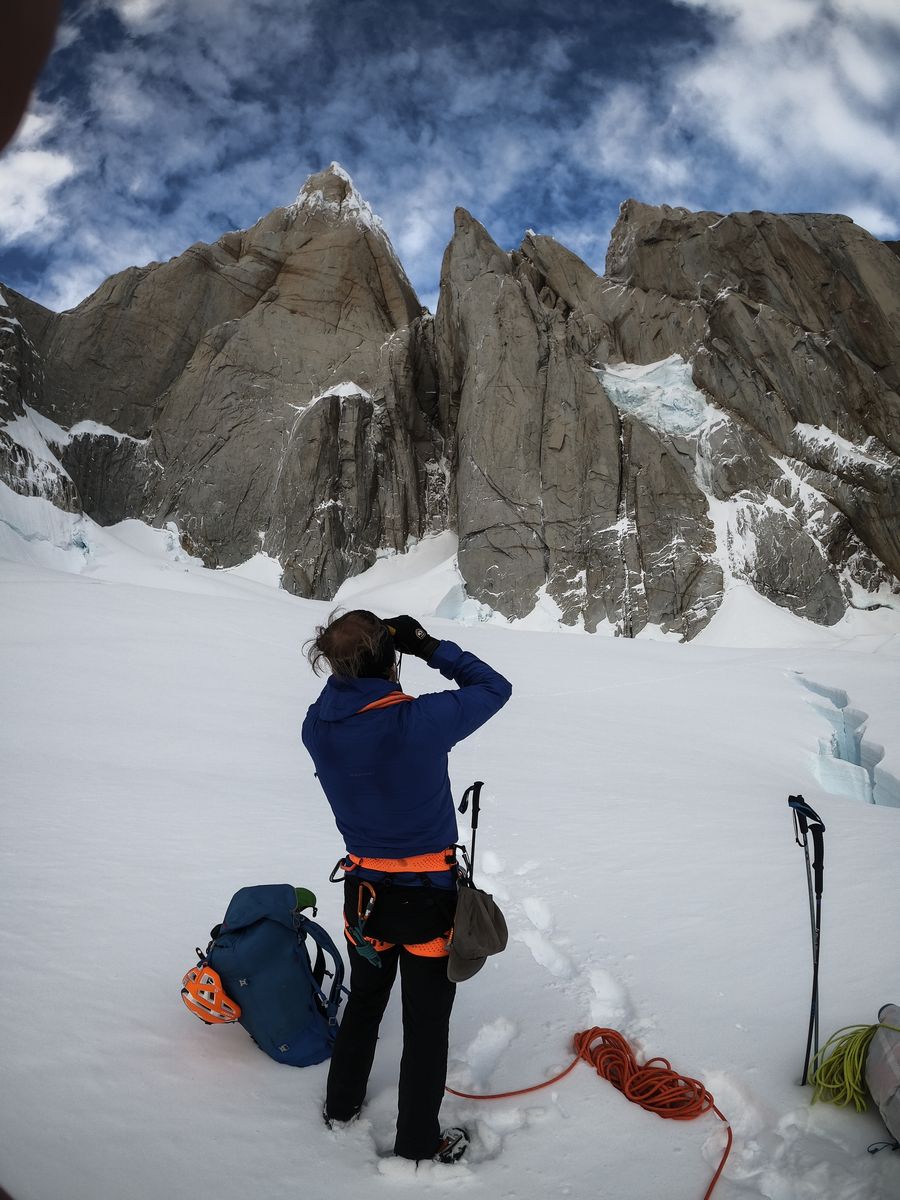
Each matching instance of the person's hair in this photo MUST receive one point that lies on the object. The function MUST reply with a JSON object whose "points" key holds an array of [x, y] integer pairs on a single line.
{"points": [[356, 644]]}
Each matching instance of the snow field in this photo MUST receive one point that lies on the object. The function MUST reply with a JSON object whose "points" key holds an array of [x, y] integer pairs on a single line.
{"points": [[634, 829]]}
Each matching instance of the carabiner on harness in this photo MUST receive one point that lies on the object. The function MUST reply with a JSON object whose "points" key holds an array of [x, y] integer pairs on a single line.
{"points": [[357, 933], [343, 864]]}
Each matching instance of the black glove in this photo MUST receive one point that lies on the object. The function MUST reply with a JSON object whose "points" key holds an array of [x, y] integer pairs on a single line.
{"points": [[410, 638]]}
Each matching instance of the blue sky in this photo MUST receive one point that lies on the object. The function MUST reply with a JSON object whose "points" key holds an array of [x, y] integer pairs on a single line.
{"points": [[158, 123]]}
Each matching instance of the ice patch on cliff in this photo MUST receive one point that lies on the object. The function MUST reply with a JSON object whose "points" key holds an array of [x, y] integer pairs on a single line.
{"points": [[40, 471], [661, 394], [37, 533]]}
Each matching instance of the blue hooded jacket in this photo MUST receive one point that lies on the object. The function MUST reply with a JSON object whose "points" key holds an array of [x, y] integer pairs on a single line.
{"points": [[384, 772]]}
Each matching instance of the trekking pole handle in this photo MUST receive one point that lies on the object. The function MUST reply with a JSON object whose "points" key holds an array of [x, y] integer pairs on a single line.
{"points": [[818, 856], [473, 790], [804, 814]]}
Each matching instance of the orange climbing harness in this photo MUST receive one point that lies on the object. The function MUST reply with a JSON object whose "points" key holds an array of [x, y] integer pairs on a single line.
{"points": [[416, 864], [442, 860], [654, 1086]]}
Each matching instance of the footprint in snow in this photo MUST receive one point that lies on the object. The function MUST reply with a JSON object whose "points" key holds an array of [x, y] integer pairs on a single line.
{"points": [[491, 863], [526, 868], [546, 954], [611, 1006], [488, 1047], [539, 914]]}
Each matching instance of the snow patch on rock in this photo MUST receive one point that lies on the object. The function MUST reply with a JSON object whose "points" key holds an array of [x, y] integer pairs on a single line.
{"points": [[352, 207], [311, 198], [842, 451], [38, 471], [346, 390], [56, 435]]}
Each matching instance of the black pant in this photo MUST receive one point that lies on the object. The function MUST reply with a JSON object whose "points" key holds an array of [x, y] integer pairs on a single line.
{"points": [[427, 995]]}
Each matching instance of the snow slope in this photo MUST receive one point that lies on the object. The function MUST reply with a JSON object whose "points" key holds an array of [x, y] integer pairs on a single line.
{"points": [[634, 828]]}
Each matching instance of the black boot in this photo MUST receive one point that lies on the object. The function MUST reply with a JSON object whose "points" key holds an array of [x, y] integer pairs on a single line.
{"points": [[454, 1144]]}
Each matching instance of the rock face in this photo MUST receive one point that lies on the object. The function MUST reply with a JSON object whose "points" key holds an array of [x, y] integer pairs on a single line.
{"points": [[555, 487], [801, 350], [27, 464], [271, 390], [721, 406]]}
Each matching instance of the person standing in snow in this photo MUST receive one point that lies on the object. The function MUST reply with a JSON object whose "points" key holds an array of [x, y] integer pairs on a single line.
{"points": [[381, 757]]}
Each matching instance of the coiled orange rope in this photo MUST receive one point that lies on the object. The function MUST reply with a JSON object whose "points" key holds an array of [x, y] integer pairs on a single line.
{"points": [[654, 1086]]}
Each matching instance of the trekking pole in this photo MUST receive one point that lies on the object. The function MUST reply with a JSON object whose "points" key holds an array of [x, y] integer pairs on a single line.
{"points": [[473, 790], [808, 821]]}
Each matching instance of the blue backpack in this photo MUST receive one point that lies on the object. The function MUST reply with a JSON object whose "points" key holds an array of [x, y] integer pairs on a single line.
{"points": [[260, 954]]}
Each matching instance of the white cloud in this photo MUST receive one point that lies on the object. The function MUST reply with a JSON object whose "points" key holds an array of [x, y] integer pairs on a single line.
{"points": [[800, 120], [28, 181], [871, 75], [791, 104], [589, 244], [39, 123], [144, 15], [71, 285], [121, 95], [878, 222], [67, 33], [761, 20], [885, 12], [624, 137]]}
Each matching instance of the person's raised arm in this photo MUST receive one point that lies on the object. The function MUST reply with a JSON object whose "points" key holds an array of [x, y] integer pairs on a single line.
{"points": [[482, 690]]}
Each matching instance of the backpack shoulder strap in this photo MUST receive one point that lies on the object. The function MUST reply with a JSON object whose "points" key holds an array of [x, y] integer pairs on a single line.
{"points": [[331, 1001]]}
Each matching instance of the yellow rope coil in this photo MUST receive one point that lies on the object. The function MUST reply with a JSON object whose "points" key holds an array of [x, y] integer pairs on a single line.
{"points": [[838, 1074]]}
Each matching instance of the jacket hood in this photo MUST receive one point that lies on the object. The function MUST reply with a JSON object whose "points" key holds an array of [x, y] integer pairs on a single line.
{"points": [[342, 696]]}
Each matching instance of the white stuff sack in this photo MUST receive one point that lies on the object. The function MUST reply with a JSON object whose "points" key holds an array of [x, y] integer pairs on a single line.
{"points": [[883, 1068]]}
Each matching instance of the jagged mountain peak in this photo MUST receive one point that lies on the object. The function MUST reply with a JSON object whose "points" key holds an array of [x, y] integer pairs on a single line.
{"points": [[472, 250], [331, 193], [721, 408]]}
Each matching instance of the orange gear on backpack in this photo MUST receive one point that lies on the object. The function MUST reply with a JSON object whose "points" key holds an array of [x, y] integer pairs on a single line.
{"points": [[204, 995]]}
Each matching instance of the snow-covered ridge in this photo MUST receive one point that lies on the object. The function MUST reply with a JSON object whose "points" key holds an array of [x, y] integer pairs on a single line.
{"points": [[39, 437], [41, 472], [55, 435], [841, 450], [311, 198]]}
